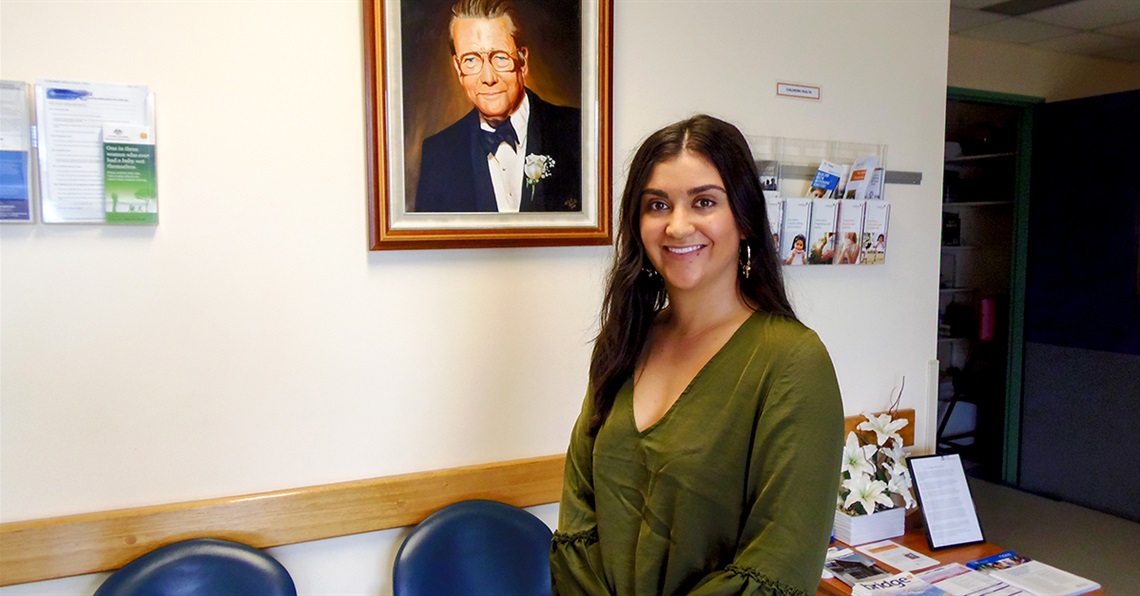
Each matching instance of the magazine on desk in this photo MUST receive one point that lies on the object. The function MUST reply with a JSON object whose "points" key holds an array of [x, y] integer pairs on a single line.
{"points": [[1033, 576], [900, 583], [851, 567], [959, 580]]}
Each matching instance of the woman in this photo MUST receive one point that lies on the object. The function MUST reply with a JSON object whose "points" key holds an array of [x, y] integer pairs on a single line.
{"points": [[706, 457]]}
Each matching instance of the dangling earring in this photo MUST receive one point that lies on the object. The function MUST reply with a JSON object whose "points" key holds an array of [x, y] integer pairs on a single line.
{"points": [[649, 271], [746, 266]]}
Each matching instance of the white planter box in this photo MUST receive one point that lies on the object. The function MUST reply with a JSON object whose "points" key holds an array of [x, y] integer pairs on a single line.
{"points": [[861, 529]]}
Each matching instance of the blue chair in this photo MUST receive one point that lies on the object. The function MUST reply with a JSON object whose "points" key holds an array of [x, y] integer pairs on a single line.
{"points": [[476, 548], [201, 567]]}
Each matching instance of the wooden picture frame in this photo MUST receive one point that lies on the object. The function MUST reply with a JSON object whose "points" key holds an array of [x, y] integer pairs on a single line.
{"points": [[415, 91]]}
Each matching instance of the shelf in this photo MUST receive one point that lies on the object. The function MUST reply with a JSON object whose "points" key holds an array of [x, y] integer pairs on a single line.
{"points": [[969, 158], [958, 248], [956, 290], [952, 340], [958, 204]]}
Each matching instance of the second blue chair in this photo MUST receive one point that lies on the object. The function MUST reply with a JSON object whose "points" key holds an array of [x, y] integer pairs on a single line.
{"points": [[475, 548]]}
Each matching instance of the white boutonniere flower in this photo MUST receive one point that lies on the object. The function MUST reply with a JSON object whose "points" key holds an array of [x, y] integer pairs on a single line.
{"points": [[536, 168]]}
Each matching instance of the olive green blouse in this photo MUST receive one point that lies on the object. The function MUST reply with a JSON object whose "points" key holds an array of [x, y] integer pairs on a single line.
{"points": [[733, 491]]}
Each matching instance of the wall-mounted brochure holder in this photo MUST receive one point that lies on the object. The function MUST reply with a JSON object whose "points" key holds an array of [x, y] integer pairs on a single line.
{"points": [[825, 199], [96, 153]]}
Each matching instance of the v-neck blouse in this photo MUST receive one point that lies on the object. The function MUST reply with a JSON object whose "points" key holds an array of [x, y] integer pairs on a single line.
{"points": [[628, 388], [732, 491]]}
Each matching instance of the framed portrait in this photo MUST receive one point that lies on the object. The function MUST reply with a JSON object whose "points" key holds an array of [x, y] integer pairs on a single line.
{"points": [[489, 122]]}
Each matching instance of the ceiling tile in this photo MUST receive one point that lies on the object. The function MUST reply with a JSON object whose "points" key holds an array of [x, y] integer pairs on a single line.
{"points": [[1016, 31], [1088, 14], [1083, 43], [1126, 30], [965, 18]]}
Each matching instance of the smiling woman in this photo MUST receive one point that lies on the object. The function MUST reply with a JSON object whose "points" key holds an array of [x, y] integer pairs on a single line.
{"points": [[706, 456]]}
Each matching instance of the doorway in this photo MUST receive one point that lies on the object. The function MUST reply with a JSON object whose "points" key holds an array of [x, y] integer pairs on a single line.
{"points": [[982, 279]]}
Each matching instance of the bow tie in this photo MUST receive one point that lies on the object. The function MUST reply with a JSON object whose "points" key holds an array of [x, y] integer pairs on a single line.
{"points": [[505, 133]]}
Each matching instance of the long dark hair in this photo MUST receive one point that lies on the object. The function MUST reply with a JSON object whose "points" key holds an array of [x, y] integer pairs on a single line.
{"points": [[635, 293]]}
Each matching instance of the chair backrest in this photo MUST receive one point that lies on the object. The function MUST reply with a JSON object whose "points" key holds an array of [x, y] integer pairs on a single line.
{"points": [[201, 567], [476, 547]]}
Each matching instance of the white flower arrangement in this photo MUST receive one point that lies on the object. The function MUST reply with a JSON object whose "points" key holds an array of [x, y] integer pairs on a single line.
{"points": [[874, 473], [537, 167]]}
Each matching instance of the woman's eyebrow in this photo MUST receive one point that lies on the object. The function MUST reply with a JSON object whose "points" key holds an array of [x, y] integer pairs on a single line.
{"points": [[706, 187], [654, 192]]}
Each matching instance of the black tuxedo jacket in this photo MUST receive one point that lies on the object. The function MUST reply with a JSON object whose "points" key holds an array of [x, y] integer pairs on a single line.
{"points": [[453, 167]]}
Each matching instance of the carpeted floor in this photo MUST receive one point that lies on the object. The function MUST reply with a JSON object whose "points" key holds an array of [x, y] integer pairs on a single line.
{"points": [[1091, 544]]}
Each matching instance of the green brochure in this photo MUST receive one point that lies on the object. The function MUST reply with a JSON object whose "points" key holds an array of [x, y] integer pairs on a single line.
{"points": [[130, 191]]}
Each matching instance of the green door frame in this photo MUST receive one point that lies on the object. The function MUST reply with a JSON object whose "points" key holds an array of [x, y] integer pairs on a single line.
{"points": [[1011, 436]]}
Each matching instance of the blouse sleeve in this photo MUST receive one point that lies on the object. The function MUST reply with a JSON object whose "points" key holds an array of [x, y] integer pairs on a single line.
{"points": [[575, 556], [793, 483]]}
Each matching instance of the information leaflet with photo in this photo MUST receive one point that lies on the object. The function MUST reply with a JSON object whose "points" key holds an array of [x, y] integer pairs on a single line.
{"points": [[897, 555], [71, 116], [944, 497], [1033, 576]]}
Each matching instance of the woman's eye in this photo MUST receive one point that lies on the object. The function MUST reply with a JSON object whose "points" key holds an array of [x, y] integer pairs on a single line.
{"points": [[656, 206], [704, 203]]}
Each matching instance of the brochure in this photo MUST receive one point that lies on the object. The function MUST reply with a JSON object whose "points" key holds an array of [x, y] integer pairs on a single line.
{"points": [[769, 172], [897, 555], [875, 222], [821, 239], [1033, 576], [129, 187], [901, 583], [860, 179], [15, 153], [775, 218], [794, 233], [826, 180], [851, 567], [848, 231], [959, 580]]}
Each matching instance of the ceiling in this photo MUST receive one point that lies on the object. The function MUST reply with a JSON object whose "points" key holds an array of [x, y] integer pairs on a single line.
{"points": [[1098, 28]]}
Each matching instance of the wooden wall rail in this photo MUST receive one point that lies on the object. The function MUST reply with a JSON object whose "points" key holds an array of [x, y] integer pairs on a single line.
{"points": [[78, 544], [56, 547]]}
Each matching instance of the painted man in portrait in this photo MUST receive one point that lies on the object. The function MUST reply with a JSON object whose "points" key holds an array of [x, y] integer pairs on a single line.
{"points": [[513, 151]]}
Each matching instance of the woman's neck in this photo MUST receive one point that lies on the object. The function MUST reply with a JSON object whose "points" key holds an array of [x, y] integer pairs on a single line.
{"points": [[690, 314]]}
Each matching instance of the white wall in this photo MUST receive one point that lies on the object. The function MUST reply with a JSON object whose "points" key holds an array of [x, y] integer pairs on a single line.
{"points": [[1012, 68], [250, 342]]}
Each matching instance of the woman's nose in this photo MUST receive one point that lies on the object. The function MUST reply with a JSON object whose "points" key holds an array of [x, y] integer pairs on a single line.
{"points": [[680, 223]]}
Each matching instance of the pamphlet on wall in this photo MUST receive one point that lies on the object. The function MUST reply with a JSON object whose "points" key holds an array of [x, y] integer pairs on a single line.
{"points": [[769, 172], [875, 186], [1033, 576], [775, 207], [875, 222], [129, 186], [826, 180], [793, 235], [860, 178], [848, 232], [959, 580], [821, 234], [15, 153], [71, 115]]}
